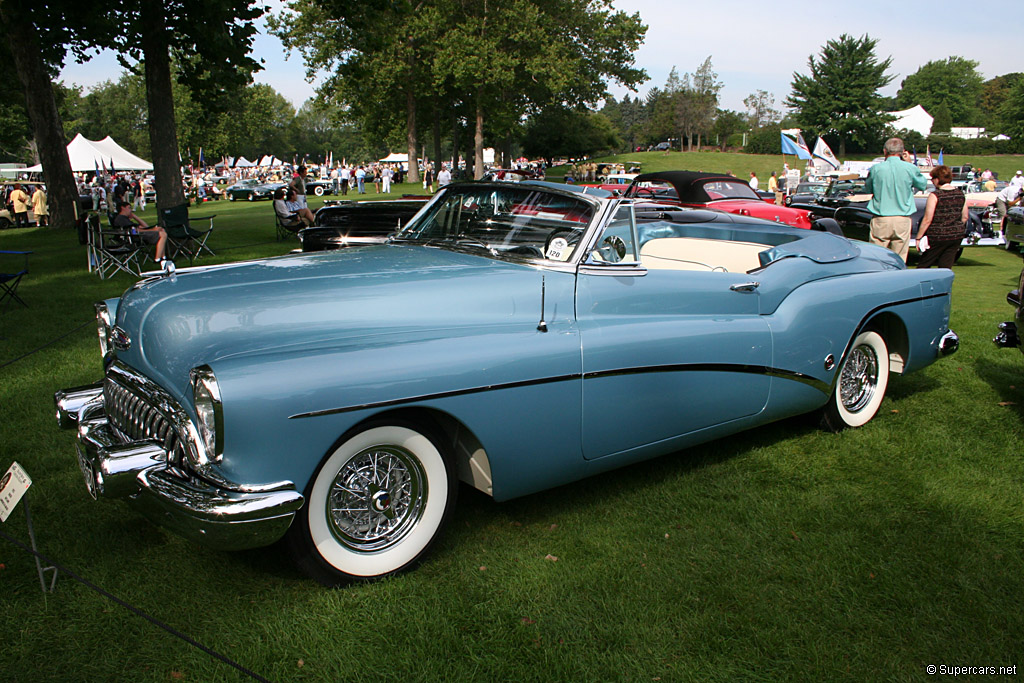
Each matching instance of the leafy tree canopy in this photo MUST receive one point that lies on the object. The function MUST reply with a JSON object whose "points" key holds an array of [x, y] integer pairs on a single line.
{"points": [[953, 81], [840, 94]]}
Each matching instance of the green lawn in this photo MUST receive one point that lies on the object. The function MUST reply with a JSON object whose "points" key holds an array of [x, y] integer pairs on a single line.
{"points": [[785, 553]]}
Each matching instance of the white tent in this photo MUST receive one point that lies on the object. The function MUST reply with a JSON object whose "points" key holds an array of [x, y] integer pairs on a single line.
{"points": [[394, 158], [88, 155], [915, 118], [270, 160], [242, 162]]}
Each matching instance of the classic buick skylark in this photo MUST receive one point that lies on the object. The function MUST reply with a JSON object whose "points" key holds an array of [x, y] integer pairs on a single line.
{"points": [[512, 336]]}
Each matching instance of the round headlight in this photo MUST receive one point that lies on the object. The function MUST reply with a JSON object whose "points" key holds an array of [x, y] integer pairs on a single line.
{"points": [[104, 324], [209, 411]]}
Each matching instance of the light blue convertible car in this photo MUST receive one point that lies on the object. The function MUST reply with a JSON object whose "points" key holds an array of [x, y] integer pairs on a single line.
{"points": [[512, 336]]}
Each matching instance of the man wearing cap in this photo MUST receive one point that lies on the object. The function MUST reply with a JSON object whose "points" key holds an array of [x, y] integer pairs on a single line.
{"points": [[1018, 179], [892, 184]]}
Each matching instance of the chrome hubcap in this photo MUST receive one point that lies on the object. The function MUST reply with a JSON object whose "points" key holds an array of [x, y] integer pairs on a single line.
{"points": [[859, 379], [376, 498]]}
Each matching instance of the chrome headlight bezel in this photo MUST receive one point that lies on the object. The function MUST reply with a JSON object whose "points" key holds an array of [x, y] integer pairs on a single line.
{"points": [[209, 410], [104, 326]]}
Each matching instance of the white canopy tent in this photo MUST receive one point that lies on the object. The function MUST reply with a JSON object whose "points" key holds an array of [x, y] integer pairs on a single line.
{"points": [[88, 155], [915, 118], [242, 162], [271, 161]]}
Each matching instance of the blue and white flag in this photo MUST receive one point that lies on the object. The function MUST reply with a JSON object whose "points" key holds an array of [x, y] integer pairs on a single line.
{"points": [[791, 147], [940, 157]]}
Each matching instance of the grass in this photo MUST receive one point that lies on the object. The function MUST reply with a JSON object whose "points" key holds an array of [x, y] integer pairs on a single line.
{"points": [[783, 553]]}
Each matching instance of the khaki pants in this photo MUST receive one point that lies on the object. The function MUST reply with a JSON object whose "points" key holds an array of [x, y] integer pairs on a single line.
{"points": [[893, 233]]}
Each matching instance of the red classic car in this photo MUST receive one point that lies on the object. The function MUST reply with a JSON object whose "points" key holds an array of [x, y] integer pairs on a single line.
{"points": [[722, 193]]}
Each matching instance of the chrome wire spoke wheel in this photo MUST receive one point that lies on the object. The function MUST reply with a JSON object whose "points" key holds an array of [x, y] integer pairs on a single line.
{"points": [[859, 378], [860, 385], [376, 498], [375, 505]]}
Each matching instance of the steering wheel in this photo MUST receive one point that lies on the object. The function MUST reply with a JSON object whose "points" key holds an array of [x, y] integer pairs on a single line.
{"points": [[643, 192]]}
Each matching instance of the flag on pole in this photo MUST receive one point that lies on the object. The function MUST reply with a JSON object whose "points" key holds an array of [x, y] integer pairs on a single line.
{"points": [[791, 147], [202, 161], [940, 157], [112, 171], [823, 152], [928, 155]]}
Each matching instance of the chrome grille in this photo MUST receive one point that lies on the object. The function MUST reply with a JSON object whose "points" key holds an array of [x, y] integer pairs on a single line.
{"points": [[135, 419]]}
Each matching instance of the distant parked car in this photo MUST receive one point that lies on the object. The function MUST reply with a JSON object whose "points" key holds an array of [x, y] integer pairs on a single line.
{"points": [[662, 146], [320, 187], [252, 190], [721, 193]]}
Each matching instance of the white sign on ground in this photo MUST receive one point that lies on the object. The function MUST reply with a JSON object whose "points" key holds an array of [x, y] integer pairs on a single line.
{"points": [[13, 486]]}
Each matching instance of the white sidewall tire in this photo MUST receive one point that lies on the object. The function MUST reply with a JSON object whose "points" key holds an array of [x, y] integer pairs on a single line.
{"points": [[318, 191], [874, 341], [415, 541]]}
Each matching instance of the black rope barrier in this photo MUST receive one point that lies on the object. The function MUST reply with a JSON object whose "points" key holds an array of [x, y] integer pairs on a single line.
{"points": [[132, 608], [49, 343]]}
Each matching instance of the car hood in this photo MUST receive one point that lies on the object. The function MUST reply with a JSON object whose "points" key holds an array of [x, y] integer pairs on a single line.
{"points": [[294, 304]]}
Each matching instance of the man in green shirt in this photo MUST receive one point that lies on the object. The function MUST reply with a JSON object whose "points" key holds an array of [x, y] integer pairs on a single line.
{"points": [[892, 184]]}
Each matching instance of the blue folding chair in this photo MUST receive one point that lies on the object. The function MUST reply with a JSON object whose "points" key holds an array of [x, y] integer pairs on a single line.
{"points": [[10, 275]]}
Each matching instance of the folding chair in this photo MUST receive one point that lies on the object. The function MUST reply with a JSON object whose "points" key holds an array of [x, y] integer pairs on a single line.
{"points": [[182, 238], [10, 275], [113, 249], [287, 225]]}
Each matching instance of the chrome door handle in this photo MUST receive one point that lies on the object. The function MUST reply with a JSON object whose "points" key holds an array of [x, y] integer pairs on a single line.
{"points": [[745, 287]]}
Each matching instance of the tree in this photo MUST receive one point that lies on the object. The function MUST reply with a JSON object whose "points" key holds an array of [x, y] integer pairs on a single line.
{"points": [[993, 94], [1012, 114], [943, 119], [211, 42], [954, 82], [760, 108], [558, 131], [36, 38], [840, 95], [706, 87], [727, 123]]}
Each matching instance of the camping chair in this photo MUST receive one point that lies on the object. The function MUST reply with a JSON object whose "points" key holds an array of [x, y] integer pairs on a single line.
{"points": [[182, 238], [10, 275], [287, 225], [113, 249]]}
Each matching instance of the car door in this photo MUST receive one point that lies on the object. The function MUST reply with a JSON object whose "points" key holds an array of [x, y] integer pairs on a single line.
{"points": [[667, 353]]}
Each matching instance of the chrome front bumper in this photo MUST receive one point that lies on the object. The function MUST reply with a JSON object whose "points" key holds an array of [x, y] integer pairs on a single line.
{"points": [[228, 518]]}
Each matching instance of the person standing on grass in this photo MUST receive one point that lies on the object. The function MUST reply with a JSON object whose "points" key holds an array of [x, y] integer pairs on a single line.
{"points": [[1007, 198], [891, 184], [345, 177], [386, 176], [753, 181], [298, 184], [39, 205], [361, 180], [20, 200], [942, 226]]}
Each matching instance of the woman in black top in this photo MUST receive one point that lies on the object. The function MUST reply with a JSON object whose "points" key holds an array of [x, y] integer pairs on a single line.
{"points": [[943, 223]]}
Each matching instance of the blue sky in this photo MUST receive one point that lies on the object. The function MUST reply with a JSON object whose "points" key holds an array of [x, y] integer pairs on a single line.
{"points": [[752, 45]]}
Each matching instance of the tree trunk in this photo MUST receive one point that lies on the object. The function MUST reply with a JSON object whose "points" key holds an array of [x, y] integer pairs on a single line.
{"points": [[47, 128], [163, 129], [455, 142], [842, 148], [410, 137], [437, 139], [478, 140]]}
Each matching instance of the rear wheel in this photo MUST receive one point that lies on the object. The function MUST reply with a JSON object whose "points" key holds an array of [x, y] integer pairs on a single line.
{"points": [[860, 385], [375, 505], [231, 197], [4, 223], [251, 197], [318, 190]]}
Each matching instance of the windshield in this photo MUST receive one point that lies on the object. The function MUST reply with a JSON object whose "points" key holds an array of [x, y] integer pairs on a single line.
{"points": [[508, 219], [730, 189]]}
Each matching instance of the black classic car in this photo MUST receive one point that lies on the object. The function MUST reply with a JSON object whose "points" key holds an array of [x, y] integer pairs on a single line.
{"points": [[1008, 336], [846, 201], [346, 223], [320, 187]]}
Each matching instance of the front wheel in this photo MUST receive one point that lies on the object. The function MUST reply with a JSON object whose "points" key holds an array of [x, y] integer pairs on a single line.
{"points": [[375, 505], [231, 197], [318, 191], [251, 197], [860, 385]]}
